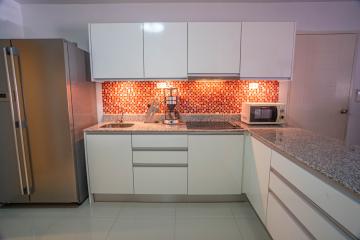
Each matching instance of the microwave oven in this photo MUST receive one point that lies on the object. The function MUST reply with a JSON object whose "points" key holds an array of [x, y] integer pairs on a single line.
{"points": [[263, 113]]}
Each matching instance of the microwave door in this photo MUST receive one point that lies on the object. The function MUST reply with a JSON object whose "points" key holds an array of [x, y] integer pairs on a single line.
{"points": [[263, 114]]}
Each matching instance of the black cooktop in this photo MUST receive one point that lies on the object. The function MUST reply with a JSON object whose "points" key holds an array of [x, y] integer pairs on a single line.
{"points": [[211, 125]]}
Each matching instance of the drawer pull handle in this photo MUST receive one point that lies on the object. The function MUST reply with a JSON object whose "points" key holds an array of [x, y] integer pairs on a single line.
{"points": [[172, 149], [160, 164]]}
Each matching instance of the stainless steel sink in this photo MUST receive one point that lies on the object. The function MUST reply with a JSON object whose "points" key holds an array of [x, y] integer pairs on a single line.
{"points": [[117, 125]]}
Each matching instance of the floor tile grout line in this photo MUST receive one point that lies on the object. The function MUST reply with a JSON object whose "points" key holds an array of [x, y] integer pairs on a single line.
{"points": [[174, 235], [112, 225], [237, 224]]}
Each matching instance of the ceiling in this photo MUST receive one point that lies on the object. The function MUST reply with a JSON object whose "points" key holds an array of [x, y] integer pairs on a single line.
{"points": [[159, 1]]}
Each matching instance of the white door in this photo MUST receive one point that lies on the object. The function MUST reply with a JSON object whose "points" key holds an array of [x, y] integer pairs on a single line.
{"points": [[257, 160], [165, 50], [214, 47], [267, 49], [116, 50], [215, 164], [319, 92], [109, 159]]}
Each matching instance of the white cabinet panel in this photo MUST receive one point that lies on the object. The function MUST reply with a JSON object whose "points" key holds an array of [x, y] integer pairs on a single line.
{"points": [[159, 141], [318, 225], [267, 49], [116, 50], [160, 180], [339, 206], [214, 47], [215, 164], [109, 160], [160, 157], [281, 225], [165, 50], [256, 174]]}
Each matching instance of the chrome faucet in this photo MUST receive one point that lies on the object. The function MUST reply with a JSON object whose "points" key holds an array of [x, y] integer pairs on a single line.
{"points": [[121, 119]]}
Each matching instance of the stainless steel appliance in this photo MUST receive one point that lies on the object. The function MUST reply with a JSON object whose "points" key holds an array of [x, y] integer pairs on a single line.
{"points": [[172, 116], [45, 103], [263, 113]]}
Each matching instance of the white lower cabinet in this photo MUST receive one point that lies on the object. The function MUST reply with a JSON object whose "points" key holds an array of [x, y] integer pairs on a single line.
{"points": [[318, 225], [256, 175], [160, 180], [215, 164], [109, 160], [281, 224], [345, 210]]}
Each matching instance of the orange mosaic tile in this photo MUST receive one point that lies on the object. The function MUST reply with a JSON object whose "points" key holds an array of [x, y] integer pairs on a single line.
{"points": [[219, 96]]}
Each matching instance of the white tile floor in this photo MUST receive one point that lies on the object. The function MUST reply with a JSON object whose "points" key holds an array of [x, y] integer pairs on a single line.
{"points": [[134, 221]]}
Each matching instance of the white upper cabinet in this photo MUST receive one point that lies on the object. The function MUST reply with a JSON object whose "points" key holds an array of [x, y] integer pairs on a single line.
{"points": [[267, 49], [214, 48], [116, 50], [165, 50]]}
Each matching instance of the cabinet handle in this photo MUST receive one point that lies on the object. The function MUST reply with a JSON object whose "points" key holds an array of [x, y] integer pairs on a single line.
{"points": [[172, 149], [160, 165]]}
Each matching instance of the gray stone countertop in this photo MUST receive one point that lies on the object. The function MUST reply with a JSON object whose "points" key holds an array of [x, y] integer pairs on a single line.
{"points": [[327, 158], [141, 127]]}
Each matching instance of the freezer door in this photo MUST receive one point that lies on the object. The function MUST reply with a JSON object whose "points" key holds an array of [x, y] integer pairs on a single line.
{"points": [[15, 170], [43, 70]]}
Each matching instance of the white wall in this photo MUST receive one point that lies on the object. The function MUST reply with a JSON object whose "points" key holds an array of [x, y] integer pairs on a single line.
{"points": [[10, 19], [70, 21]]}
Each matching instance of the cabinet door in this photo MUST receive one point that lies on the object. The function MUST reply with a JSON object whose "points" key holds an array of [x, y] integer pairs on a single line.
{"points": [[160, 180], [267, 49], [165, 50], [109, 160], [215, 164], [214, 48], [116, 50], [256, 175], [281, 224], [313, 220], [342, 208]]}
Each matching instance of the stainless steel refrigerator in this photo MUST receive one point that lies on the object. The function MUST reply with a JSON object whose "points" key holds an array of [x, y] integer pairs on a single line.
{"points": [[46, 100]]}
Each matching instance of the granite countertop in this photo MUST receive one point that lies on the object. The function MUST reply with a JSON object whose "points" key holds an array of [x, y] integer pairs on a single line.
{"points": [[328, 158], [141, 127]]}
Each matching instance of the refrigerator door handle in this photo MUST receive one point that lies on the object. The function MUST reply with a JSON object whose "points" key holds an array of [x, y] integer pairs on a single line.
{"points": [[21, 123], [12, 110]]}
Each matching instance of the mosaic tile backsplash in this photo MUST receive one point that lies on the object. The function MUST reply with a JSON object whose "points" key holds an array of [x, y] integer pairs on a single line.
{"points": [[219, 96]]}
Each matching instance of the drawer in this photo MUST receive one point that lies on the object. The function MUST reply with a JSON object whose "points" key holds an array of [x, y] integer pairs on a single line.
{"points": [[343, 209], [159, 141], [160, 180], [278, 217], [160, 157], [316, 223]]}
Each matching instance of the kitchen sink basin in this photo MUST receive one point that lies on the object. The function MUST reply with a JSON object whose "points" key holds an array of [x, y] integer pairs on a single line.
{"points": [[117, 125]]}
